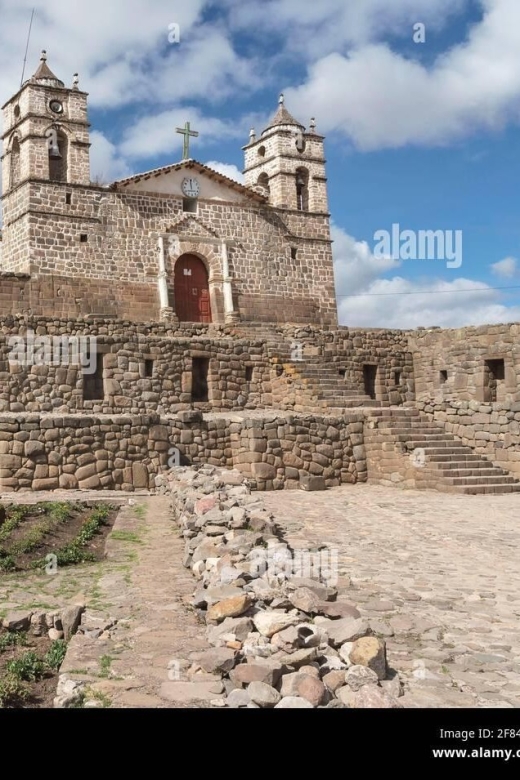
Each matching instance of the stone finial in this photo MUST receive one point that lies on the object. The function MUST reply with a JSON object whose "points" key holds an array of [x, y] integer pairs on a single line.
{"points": [[75, 81], [43, 57], [313, 125], [252, 135], [281, 99]]}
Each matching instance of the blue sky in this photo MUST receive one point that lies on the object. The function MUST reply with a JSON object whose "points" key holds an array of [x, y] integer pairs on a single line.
{"points": [[421, 134]]}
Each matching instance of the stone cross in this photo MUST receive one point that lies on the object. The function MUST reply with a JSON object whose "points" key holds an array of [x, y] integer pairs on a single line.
{"points": [[186, 132]]}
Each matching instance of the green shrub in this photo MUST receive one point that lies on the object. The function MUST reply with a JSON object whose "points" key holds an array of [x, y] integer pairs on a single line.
{"points": [[12, 639], [55, 655], [29, 667], [12, 692]]}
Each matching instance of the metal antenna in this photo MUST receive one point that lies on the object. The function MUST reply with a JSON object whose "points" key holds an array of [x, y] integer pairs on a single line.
{"points": [[27, 47]]}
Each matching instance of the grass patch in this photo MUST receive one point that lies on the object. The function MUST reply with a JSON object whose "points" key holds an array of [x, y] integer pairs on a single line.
{"points": [[105, 701], [105, 662], [125, 536]]}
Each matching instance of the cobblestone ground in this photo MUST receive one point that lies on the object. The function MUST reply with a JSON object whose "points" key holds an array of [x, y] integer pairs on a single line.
{"points": [[438, 574]]}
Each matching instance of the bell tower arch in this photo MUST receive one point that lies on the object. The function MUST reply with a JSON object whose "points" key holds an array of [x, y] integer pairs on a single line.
{"points": [[49, 122], [287, 162]]}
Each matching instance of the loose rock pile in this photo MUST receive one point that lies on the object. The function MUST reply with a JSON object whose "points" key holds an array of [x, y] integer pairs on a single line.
{"points": [[59, 624], [278, 640]]}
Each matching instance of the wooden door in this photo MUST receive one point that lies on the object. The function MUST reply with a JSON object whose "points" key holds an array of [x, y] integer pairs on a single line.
{"points": [[192, 302]]}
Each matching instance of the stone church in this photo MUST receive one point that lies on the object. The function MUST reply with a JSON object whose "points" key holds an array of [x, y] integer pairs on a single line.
{"points": [[181, 243], [176, 305]]}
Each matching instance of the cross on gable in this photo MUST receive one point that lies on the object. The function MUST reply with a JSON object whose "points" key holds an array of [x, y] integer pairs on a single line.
{"points": [[187, 133]]}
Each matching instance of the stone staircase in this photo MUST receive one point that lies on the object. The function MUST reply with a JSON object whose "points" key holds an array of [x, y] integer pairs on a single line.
{"points": [[330, 388], [314, 380], [397, 438]]}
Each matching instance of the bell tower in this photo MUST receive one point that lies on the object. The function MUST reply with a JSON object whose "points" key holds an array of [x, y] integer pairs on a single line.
{"points": [[288, 164], [46, 133]]}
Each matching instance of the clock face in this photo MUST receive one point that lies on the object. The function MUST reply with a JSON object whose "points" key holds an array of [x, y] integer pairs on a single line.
{"points": [[191, 187], [56, 106]]}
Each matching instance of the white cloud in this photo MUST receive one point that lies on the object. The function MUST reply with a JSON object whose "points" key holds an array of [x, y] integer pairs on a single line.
{"points": [[364, 300], [121, 50], [505, 268], [319, 28], [355, 265], [231, 171], [105, 163], [356, 84], [381, 99], [156, 134]]}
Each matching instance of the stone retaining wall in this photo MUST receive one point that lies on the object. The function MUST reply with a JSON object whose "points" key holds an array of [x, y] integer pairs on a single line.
{"points": [[148, 368], [130, 452]]}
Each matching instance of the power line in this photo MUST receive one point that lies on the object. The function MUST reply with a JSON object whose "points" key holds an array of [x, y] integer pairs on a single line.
{"points": [[430, 292]]}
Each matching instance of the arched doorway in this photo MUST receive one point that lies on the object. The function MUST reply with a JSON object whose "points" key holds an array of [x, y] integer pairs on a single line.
{"points": [[191, 287]]}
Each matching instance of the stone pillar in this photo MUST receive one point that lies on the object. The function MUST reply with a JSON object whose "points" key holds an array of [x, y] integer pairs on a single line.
{"points": [[230, 315], [166, 311]]}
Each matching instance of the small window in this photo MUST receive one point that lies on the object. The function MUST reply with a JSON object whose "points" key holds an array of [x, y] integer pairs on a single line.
{"points": [[249, 373], [443, 377], [302, 189], [261, 151], [93, 388], [68, 198], [294, 252], [83, 238], [189, 205], [496, 369], [199, 379], [263, 181], [17, 112], [494, 375], [148, 368], [397, 378], [369, 379], [342, 372]]}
